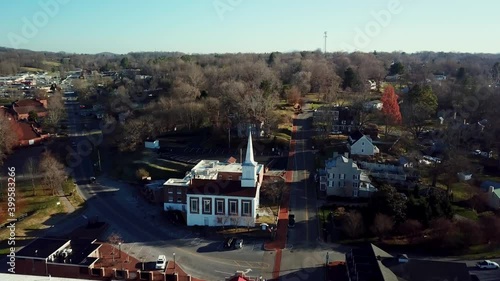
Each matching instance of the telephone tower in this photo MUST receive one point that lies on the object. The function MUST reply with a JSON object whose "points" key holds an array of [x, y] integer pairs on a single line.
{"points": [[325, 43]]}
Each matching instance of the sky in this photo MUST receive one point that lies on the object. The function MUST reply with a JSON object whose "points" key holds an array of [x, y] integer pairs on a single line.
{"points": [[250, 26]]}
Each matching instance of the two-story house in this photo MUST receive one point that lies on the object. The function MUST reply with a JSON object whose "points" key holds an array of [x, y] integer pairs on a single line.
{"points": [[343, 177], [359, 144], [337, 119]]}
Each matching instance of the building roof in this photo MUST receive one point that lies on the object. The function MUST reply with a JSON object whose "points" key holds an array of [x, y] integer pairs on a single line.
{"points": [[24, 131], [42, 248], [82, 248], [22, 277], [486, 184], [355, 136], [220, 188], [27, 105], [418, 270], [373, 264]]}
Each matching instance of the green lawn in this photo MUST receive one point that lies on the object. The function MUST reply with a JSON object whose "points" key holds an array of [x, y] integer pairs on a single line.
{"points": [[31, 69], [126, 165], [464, 212], [40, 208], [481, 252], [72, 195], [461, 191]]}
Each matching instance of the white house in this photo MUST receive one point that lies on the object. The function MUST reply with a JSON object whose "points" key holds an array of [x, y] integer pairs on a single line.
{"points": [[343, 177], [373, 105], [360, 144], [493, 192], [217, 193]]}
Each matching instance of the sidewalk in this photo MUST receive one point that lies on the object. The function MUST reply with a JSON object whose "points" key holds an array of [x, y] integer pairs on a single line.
{"points": [[280, 239]]}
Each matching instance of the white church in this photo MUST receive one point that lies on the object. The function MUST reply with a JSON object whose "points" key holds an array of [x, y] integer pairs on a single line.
{"points": [[219, 193]]}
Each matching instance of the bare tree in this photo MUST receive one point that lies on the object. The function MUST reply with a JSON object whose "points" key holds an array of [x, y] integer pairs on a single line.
{"points": [[249, 222], [382, 225], [293, 95], [303, 81], [235, 221], [30, 169], [353, 225], [184, 91], [53, 173], [8, 137], [274, 190], [114, 239], [56, 109]]}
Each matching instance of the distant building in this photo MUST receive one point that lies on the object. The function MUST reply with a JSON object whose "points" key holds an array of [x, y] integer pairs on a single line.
{"points": [[493, 192], [373, 105], [27, 133], [22, 108], [336, 119], [360, 144], [343, 177]]}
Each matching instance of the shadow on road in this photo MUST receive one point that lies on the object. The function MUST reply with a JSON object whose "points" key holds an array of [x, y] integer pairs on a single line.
{"points": [[212, 247]]}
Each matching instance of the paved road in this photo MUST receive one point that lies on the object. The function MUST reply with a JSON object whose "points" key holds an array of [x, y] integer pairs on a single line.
{"points": [[304, 257]]}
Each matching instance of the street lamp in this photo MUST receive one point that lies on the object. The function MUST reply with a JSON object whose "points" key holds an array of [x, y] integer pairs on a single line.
{"points": [[327, 258], [174, 260], [120, 249]]}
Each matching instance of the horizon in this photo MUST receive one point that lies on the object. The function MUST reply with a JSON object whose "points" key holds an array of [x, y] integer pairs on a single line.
{"points": [[239, 26]]}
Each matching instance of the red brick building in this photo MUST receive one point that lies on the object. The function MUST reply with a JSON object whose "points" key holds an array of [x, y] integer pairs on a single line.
{"points": [[27, 133], [88, 259], [22, 108]]}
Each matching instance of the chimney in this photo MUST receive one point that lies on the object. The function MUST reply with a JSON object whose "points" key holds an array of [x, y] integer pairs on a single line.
{"points": [[491, 189], [346, 154]]}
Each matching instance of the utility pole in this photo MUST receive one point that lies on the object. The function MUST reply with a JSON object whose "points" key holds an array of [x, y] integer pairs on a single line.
{"points": [[325, 44], [99, 159]]}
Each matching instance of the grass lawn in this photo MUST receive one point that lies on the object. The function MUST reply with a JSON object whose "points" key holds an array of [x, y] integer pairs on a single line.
{"points": [[461, 191], [283, 135], [40, 209], [126, 164], [31, 69], [269, 219], [72, 195], [464, 212], [51, 63], [481, 252]]}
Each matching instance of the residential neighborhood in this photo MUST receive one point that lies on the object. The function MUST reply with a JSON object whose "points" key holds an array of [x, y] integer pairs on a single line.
{"points": [[170, 141]]}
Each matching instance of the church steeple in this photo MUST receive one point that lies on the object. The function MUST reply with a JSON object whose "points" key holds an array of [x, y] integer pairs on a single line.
{"points": [[249, 166], [249, 155]]}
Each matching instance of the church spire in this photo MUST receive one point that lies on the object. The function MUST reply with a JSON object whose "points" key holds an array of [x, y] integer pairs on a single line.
{"points": [[249, 155]]}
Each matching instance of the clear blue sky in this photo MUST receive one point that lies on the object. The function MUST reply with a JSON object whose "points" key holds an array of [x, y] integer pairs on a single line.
{"points": [[219, 26]]}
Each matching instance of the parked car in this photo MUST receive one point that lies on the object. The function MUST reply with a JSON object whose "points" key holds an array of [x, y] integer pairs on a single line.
{"points": [[238, 244], [487, 264], [291, 220], [161, 262], [228, 242]]}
